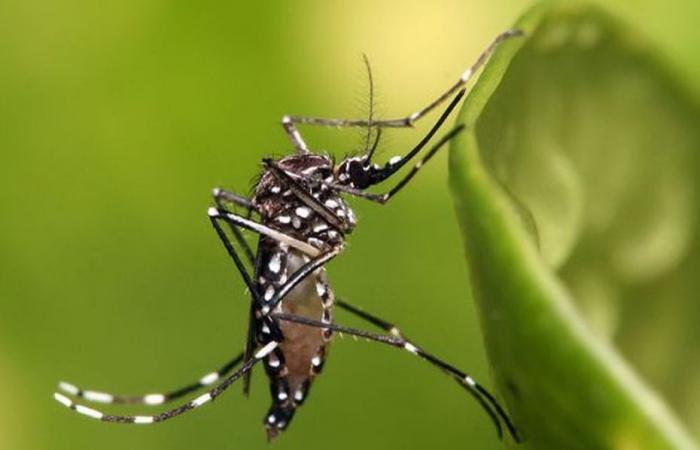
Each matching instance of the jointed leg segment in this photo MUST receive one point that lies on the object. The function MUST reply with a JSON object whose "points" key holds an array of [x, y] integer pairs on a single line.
{"points": [[196, 403], [485, 399], [150, 399], [409, 120]]}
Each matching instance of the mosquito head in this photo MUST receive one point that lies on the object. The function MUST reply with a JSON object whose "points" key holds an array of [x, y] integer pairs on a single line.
{"points": [[356, 172]]}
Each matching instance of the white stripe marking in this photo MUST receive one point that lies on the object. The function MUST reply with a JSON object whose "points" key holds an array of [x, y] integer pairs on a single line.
{"points": [[410, 347], [273, 362], [330, 203], [275, 263], [394, 160], [465, 76], [263, 352], [470, 381], [269, 293], [154, 399], [320, 289], [99, 397], [68, 388], [213, 212], [209, 378], [202, 399], [62, 399], [143, 419], [88, 412]]}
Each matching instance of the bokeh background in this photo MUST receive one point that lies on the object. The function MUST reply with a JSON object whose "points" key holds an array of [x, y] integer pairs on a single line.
{"points": [[117, 119]]}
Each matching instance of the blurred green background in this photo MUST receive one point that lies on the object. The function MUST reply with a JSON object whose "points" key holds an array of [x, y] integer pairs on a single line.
{"points": [[116, 120]]}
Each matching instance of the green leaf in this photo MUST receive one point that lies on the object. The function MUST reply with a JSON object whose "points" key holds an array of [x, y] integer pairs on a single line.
{"points": [[575, 185]]}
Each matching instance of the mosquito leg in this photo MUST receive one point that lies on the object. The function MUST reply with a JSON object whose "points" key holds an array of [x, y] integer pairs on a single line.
{"points": [[215, 214], [383, 198], [297, 277], [149, 399], [230, 249], [221, 196], [487, 401], [381, 174], [374, 320], [196, 403], [290, 128], [409, 120]]}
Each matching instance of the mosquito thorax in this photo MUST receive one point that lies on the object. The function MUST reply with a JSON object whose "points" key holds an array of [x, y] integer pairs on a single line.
{"points": [[283, 210]]}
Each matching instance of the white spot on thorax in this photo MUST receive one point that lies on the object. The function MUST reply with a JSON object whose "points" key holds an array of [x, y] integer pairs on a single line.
{"points": [[303, 212]]}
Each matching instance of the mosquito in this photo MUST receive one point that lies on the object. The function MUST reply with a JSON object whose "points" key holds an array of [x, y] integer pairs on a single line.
{"points": [[303, 220]]}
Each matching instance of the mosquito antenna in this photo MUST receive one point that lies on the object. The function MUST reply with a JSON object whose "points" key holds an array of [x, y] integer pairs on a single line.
{"points": [[369, 152]]}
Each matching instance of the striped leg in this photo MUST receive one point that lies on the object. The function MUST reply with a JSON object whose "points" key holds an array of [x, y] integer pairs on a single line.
{"points": [[409, 120], [149, 399], [221, 214], [384, 198], [220, 197], [196, 403], [485, 399], [290, 128]]}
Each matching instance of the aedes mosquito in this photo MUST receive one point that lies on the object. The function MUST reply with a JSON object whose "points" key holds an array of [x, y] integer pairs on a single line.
{"points": [[303, 221]]}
